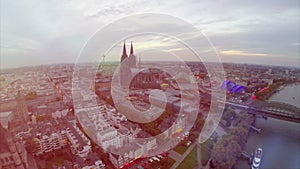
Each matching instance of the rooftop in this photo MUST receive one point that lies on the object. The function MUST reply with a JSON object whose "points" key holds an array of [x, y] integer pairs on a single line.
{"points": [[5, 114]]}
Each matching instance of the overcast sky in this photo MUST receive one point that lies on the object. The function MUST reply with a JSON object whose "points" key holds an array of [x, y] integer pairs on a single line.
{"points": [[35, 32]]}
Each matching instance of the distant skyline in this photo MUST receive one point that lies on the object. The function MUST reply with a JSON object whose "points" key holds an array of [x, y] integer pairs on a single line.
{"points": [[262, 32]]}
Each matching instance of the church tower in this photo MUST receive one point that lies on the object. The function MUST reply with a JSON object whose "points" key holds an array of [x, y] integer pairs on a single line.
{"points": [[131, 50], [124, 68], [22, 110], [124, 54], [128, 64], [132, 57]]}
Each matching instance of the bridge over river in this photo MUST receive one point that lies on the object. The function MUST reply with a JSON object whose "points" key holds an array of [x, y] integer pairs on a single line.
{"points": [[272, 109]]}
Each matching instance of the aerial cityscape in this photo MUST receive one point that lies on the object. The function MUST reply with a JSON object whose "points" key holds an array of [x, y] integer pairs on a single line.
{"points": [[149, 90]]}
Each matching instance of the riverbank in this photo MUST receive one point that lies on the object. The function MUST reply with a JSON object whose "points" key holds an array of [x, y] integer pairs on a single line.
{"points": [[279, 139], [229, 147], [288, 90], [274, 88]]}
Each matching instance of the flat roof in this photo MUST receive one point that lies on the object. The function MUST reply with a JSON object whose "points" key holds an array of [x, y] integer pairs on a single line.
{"points": [[5, 114]]}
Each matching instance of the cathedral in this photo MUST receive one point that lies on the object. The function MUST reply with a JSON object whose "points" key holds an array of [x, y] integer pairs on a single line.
{"points": [[131, 68], [132, 59], [128, 66]]}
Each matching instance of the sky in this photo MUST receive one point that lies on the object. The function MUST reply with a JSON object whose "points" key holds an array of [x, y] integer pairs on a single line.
{"points": [[37, 32]]}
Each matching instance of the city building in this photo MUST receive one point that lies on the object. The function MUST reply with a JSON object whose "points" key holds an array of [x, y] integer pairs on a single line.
{"points": [[12, 153], [50, 143], [80, 144], [5, 118]]}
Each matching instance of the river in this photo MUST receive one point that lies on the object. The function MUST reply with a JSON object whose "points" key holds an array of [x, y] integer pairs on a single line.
{"points": [[279, 139]]}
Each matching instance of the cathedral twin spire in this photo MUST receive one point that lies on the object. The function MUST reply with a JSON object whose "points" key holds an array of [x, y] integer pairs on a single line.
{"points": [[124, 54], [131, 49]]}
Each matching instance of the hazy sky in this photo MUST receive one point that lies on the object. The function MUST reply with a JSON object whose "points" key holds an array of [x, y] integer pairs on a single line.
{"points": [[37, 32]]}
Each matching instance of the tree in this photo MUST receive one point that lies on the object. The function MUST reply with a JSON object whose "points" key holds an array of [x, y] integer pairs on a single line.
{"points": [[229, 113], [240, 133], [227, 116], [243, 116], [32, 145], [226, 152]]}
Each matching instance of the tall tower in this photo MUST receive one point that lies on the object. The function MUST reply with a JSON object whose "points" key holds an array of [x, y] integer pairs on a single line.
{"points": [[132, 57], [127, 63], [131, 49], [22, 110], [124, 54], [124, 68]]}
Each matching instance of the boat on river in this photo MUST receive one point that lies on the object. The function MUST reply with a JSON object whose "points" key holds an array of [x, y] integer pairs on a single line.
{"points": [[257, 158]]}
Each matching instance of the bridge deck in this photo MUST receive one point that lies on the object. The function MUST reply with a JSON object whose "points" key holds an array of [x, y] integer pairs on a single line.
{"points": [[277, 110]]}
